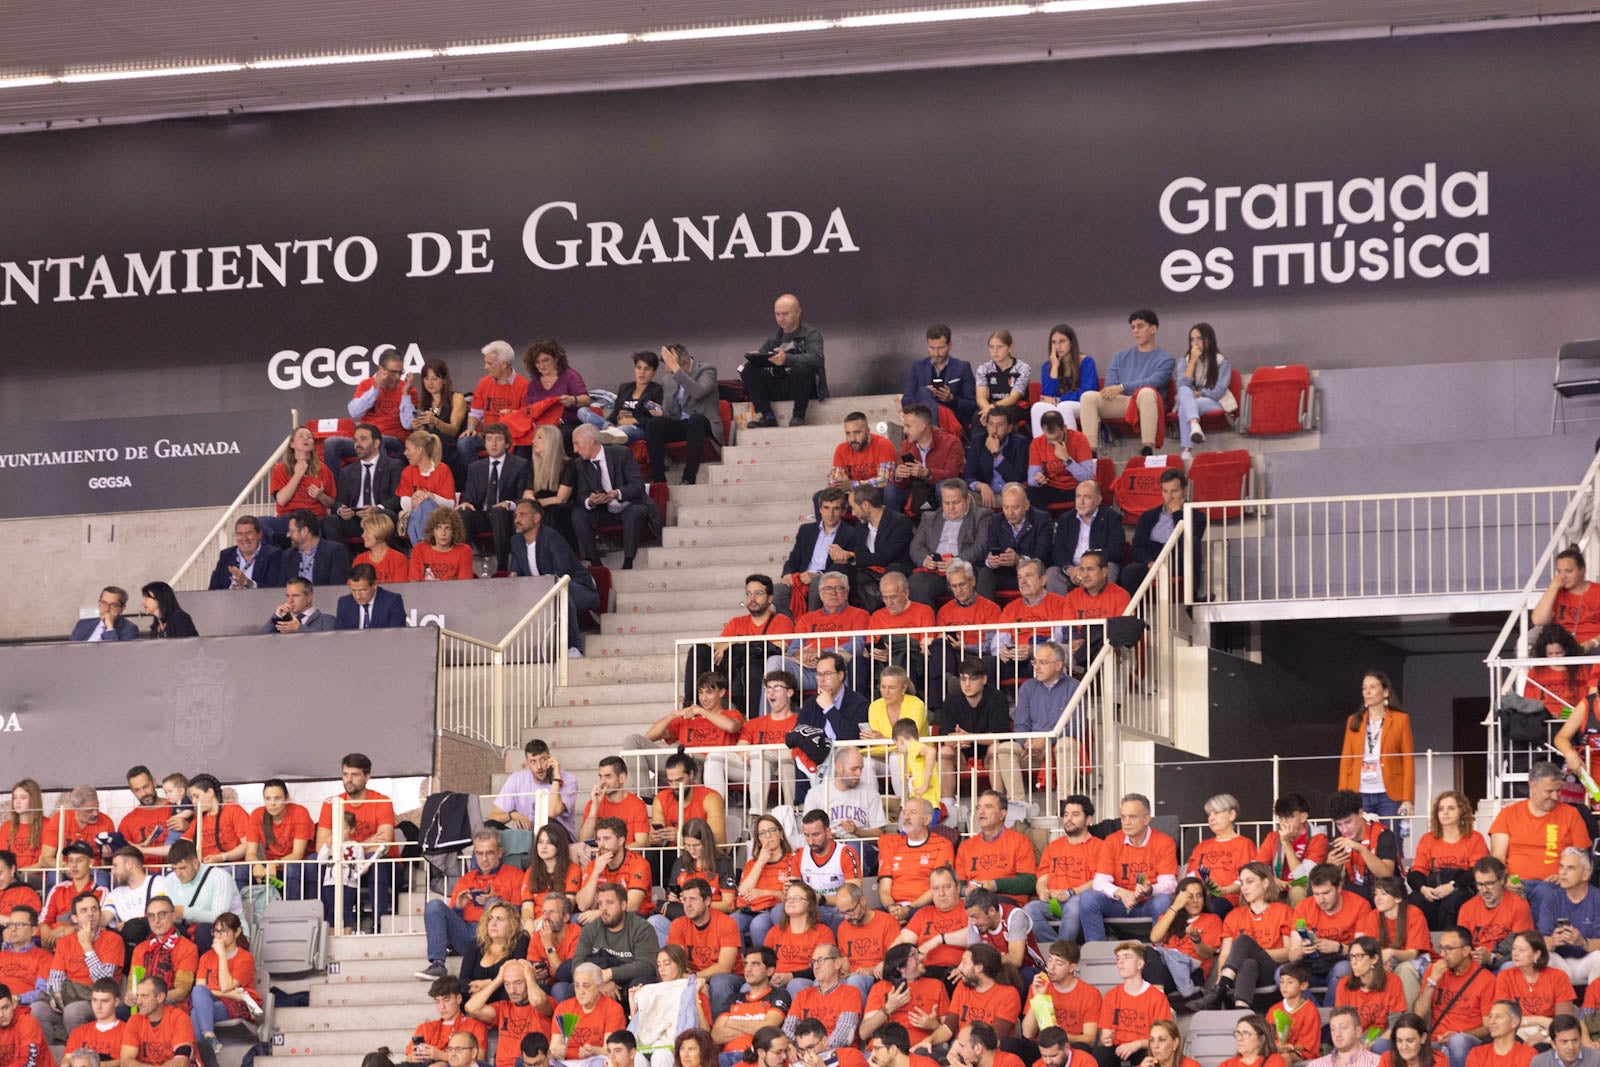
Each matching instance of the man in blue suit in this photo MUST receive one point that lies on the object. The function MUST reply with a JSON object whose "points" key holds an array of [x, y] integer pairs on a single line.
{"points": [[110, 626], [250, 563], [367, 607], [317, 560], [536, 550]]}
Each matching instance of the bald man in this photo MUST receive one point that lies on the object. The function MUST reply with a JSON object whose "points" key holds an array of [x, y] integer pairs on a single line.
{"points": [[788, 366]]}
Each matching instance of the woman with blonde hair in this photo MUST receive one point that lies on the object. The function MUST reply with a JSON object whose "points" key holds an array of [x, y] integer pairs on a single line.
{"points": [[443, 554], [1166, 1046], [425, 484], [390, 563], [500, 938], [299, 480], [1003, 378], [555, 480]]}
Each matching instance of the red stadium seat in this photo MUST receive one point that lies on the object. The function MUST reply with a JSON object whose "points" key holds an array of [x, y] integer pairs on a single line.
{"points": [[1128, 424], [602, 585], [659, 492], [1278, 399], [1105, 476], [1220, 476], [1213, 420], [322, 429], [1035, 391], [1139, 484]]}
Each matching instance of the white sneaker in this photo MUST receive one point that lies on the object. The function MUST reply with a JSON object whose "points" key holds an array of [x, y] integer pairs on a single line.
{"points": [[1195, 432], [573, 653], [611, 435], [1186, 455]]}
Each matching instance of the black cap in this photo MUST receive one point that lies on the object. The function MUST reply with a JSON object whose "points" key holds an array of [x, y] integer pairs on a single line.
{"points": [[78, 848]]}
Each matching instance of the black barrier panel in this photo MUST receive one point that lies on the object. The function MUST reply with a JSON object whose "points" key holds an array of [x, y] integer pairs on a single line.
{"points": [[244, 709], [143, 463]]}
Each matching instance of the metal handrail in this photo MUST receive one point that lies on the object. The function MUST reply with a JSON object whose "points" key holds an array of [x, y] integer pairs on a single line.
{"points": [[501, 717], [213, 538]]}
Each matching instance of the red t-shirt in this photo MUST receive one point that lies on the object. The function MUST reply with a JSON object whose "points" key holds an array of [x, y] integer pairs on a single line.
{"points": [[385, 410], [454, 564], [322, 479], [75, 830], [1223, 858], [928, 922], [20, 970], [1490, 927], [1041, 453], [1374, 1005], [58, 906], [69, 958], [513, 1022], [293, 825], [769, 885], [107, 1043], [928, 996], [1307, 846], [1066, 865], [1124, 862], [999, 1003], [1127, 1016], [820, 622], [1050, 608], [394, 567], [1077, 1007], [1076, 1057], [508, 883], [146, 826], [566, 944], [371, 811], [1417, 937], [1008, 855], [1209, 927], [766, 730], [17, 839], [981, 612], [1535, 842], [745, 626], [22, 1044], [794, 949], [630, 809], [697, 731], [243, 968], [437, 1032], [813, 1003], [1579, 614], [1341, 926], [747, 1008], [693, 808], [592, 1026], [863, 466], [494, 398], [1267, 929], [865, 945], [1467, 1011], [909, 865], [1538, 997], [916, 614], [1112, 601], [633, 873], [224, 830], [573, 883], [705, 944], [1435, 853], [185, 958], [1305, 1026], [158, 1042], [1484, 1055]]}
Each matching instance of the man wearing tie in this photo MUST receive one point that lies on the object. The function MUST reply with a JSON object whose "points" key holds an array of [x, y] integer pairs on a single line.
{"points": [[536, 550], [366, 606], [610, 488], [250, 563], [365, 486], [110, 626], [297, 614], [494, 485], [689, 412]]}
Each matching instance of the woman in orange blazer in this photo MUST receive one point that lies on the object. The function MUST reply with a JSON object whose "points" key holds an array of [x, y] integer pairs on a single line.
{"points": [[1377, 758]]}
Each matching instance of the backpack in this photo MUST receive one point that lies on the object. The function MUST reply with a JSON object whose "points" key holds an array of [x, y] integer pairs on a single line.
{"points": [[448, 822]]}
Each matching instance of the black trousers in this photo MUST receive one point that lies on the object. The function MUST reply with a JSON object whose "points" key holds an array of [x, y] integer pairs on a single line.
{"points": [[764, 383], [692, 431], [1248, 961], [498, 522], [635, 517]]}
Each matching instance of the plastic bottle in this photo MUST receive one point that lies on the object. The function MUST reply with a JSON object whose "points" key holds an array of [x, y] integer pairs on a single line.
{"points": [[1053, 906]]}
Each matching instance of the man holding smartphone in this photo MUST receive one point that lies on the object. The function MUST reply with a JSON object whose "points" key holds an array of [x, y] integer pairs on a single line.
{"points": [[788, 366], [940, 380]]}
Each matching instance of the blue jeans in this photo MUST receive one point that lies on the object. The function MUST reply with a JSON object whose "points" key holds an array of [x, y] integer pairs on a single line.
{"points": [[1191, 406], [724, 990], [205, 1011], [375, 886], [1386, 808], [634, 431], [446, 930], [1047, 929], [419, 520], [1457, 1048], [1097, 908]]}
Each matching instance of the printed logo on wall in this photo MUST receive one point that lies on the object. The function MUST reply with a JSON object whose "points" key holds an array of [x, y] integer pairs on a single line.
{"points": [[203, 699]]}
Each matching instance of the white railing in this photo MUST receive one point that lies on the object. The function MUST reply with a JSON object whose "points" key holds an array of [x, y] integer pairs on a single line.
{"points": [[1510, 657], [1379, 545], [254, 499], [492, 691], [1147, 682]]}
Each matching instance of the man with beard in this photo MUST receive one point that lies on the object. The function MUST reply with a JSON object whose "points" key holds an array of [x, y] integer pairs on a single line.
{"points": [[536, 550], [733, 659], [540, 773], [858, 459]]}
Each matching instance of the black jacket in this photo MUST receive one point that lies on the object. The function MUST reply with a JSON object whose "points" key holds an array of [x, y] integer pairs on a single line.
{"points": [[851, 536], [1105, 534], [892, 547], [516, 474], [332, 566]]}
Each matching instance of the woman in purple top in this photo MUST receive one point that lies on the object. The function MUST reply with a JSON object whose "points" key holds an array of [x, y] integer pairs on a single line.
{"points": [[549, 376]]}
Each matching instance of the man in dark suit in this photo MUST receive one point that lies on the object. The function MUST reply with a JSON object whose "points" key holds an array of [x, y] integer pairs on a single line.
{"points": [[297, 614], [689, 412], [110, 625], [1016, 532], [535, 550], [318, 561], [1154, 528], [610, 488], [999, 457], [835, 706], [366, 606], [494, 485], [1104, 534], [958, 530], [819, 547], [250, 563], [365, 486], [885, 543]]}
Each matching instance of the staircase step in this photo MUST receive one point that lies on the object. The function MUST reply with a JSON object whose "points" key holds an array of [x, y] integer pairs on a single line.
{"points": [[605, 670], [365, 972], [324, 1059], [602, 715], [874, 406], [817, 452], [749, 492], [569, 696], [638, 605], [674, 580], [402, 923], [751, 557], [335, 1020], [789, 512], [791, 473], [765, 534], [357, 947], [687, 623], [348, 994], [340, 1046], [628, 645]]}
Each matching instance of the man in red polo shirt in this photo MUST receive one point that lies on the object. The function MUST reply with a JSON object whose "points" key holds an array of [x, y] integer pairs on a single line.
{"points": [[1096, 597], [906, 859], [374, 815], [160, 1033], [455, 925], [385, 400]]}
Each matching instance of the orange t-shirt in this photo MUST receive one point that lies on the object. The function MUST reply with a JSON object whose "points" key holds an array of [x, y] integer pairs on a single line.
{"points": [[1305, 1027], [745, 1008], [1341, 926], [223, 831], [508, 883], [633, 873], [1484, 1055], [630, 809], [185, 958], [243, 968], [1490, 927], [146, 826], [1051, 608], [698, 731], [437, 1032], [1124, 862], [20, 970], [1434, 853], [565, 946], [863, 466], [1538, 997], [23, 1043], [1313, 847], [158, 1042], [371, 811], [981, 612], [293, 825], [928, 996], [1373, 1005], [865, 945], [1066, 865], [513, 1022], [813, 1003], [573, 883], [1417, 937], [1008, 855], [1209, 927], [1579, 614], [1112, 601], [395, 566], [999, 1003], [1266, 928], [928, 921], [1127, 1016], [916, 614], [1535, 842], [1041, 453], [1468, 1010], [820, 622], [794, 949], [766, 730], [705, 944], [16, 839], [69, 958], [107, 1043], [452, 564], [769, 888], [1223, 859], [909, 865], [1077, 1007]]}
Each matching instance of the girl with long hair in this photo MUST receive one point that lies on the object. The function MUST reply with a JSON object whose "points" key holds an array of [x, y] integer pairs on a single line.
{"points": [[1202, 384], [442, 412], [500, 938], [1370, 989], [1378, 750], [1064, 376], [167, 619], [1441, 872], [1185, 938], [425, 484], [1255, 942], [20, 833], [1401, 931], [550, 870]]}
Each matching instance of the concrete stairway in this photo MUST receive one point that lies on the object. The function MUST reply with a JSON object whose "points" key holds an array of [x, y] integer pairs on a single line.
{"points": [[373, 1000], [739, 519]]}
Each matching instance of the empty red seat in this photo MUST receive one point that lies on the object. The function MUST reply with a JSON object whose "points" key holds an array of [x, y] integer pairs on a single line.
{"points": [[1220, 476], [1139, 484], [1278, 399]]}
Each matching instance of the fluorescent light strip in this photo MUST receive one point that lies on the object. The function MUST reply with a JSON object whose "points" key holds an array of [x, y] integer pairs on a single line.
{"points": [[352, 57], [1064, 7], [147, 72], [26, 80], [542, 44], [935, 14], [706, 33]]}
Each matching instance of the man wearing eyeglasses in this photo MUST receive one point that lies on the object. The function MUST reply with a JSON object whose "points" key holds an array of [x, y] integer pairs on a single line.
{"points": [[1492, 916], [832, 1001], [108, 625], [462, 1051], [1456, 995]]}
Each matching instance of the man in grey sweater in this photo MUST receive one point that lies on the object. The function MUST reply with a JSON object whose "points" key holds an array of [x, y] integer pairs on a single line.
{"points": [[1566, 1046], [623, 945]]}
